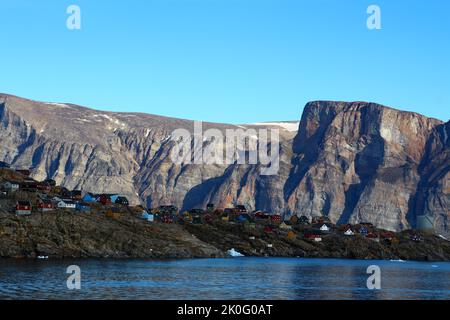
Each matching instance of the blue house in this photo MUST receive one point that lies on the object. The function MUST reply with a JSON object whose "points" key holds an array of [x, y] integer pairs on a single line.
{"points": [[243, 218], [89, 197], [363, 231], [114, 197], [148, 216]]}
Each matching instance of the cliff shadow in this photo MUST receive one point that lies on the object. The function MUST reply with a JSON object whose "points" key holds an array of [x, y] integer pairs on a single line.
{"points": [[367, 163], [197, 195], [432, 168], [306, 147]]}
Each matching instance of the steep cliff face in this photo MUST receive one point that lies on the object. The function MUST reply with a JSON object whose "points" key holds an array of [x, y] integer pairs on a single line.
{"points": [[433, 192], [358, 162], [351, 161], [116, 152]]}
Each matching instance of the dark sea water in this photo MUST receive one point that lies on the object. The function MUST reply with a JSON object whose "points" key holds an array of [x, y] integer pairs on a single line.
{"points": [[236, 278]]}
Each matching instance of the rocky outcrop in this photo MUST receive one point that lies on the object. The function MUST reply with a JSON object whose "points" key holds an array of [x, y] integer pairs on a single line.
{"points": [[350, 161], [68, 235], [357, 162], [433, 192]]}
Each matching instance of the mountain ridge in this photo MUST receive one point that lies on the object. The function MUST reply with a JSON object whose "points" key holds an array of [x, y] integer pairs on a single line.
{"points": [[342, 161]]}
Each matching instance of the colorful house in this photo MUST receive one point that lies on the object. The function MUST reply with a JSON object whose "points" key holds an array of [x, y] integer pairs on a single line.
{"points": [[363, 231], [11, 186], [228, 211], [89, 197], [55, 200], [239, 209], [284, 226], [67, 204], [293, 219], [291, 235], [113, 197], [105, 199], [197, 212], [45, 205], [121, 200], [388, 235], [147, 216], [275, 218], [243, 218], [23, 208], [313, 236], [29, 186], [303, 220], [349, 232], [76, 195], [259, 215], [44, 187], [317, 220], [167, 209], [197, 220], [187, 217], [373, 236]]}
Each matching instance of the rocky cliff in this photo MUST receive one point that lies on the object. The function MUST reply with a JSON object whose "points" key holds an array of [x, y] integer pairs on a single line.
{"points": [[351, 161], [360, 162]]}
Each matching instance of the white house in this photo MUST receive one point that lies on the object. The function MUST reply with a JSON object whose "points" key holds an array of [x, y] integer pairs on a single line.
{"points": [[283, 225], [11, 186], [325, 228], [66, 204], [349, 232]]}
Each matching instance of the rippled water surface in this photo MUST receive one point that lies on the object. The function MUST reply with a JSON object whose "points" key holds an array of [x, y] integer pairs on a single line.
{"points": [[239, 278]]}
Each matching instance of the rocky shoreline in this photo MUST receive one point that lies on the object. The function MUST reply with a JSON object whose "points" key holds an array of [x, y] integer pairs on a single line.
{"points": [[67, 234]]}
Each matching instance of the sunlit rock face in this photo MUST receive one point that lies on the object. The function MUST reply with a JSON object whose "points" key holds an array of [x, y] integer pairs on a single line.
{"points": [[361, 162], [350, 161]]}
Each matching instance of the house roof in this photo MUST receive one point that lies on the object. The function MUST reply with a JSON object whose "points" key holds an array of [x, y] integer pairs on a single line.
{"points": [[12, 182], [24, 203]]}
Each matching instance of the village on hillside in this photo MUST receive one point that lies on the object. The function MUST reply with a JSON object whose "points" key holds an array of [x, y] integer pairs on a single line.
{"points": [[23, 196], [32, 197]]}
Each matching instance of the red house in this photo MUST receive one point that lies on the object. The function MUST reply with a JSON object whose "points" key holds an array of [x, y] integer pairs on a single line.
{"points": [[313, 236], [44, 187], [23, 208], [261, 215], [275, 218], [104, 199], [388, 235], [45, 205]]}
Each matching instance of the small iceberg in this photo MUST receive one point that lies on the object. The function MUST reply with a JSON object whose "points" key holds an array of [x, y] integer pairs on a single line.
{"points": [[234, 253]]}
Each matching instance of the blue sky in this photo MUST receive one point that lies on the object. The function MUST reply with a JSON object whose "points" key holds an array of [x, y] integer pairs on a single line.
{"points": [[237, 61]]}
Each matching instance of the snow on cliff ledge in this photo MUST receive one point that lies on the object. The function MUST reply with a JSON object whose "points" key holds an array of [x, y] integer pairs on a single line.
{"points": [[288, 126]]}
